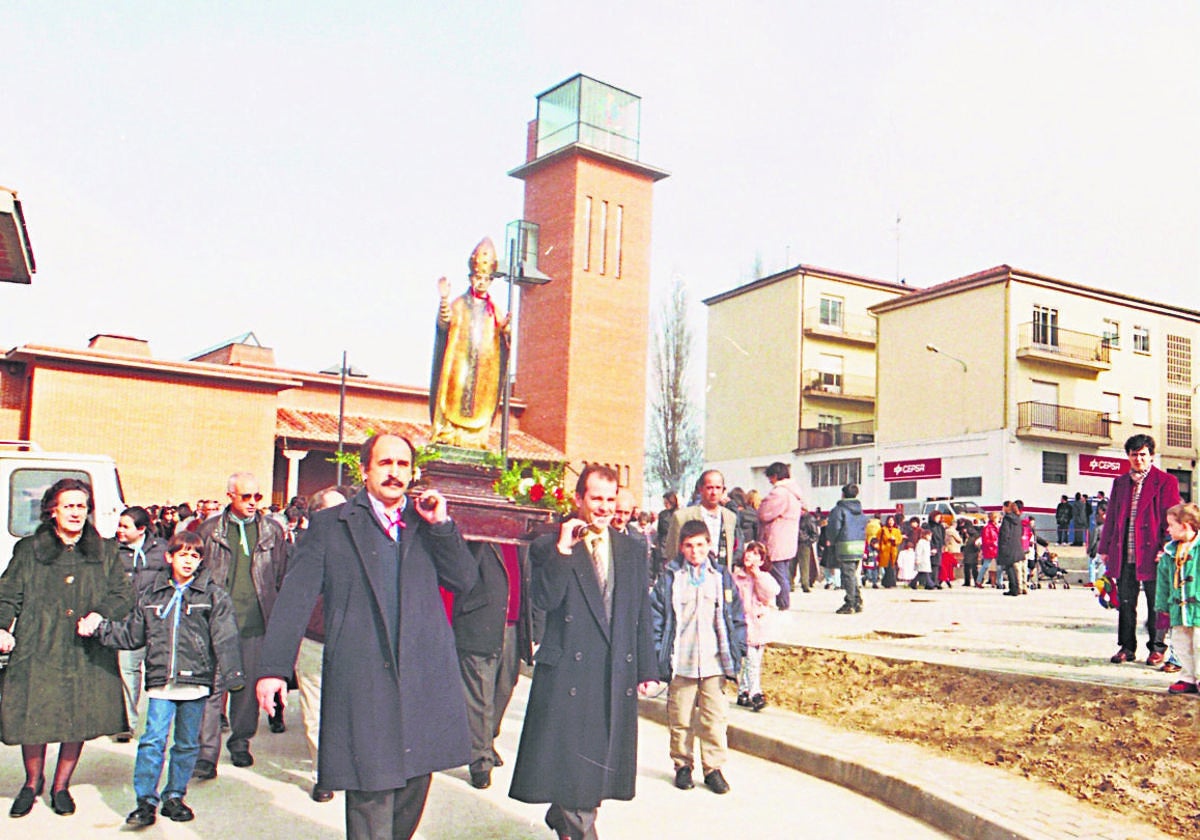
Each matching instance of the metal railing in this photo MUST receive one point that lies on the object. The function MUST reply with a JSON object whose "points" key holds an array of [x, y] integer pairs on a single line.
{"points": [[1063, 418], [1069, 344], [822, 383], [857, 327], [846, 434]]}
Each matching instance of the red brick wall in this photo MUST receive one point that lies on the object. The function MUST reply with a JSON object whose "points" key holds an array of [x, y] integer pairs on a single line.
{"points": [[173, 439], [583, 337]]}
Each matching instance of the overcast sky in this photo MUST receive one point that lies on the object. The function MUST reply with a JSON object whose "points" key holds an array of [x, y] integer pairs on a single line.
{"points": [[308, 170]]}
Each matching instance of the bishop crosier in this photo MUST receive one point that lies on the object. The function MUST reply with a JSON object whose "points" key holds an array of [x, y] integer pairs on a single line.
{"points": [[469, 357]]}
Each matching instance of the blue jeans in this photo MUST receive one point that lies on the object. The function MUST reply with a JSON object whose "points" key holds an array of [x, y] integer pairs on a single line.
{"points": [[152, 748], [981, 578]]}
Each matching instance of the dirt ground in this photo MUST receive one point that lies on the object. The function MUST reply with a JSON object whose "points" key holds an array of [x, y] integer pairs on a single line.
{"points": [[1131, 751]]}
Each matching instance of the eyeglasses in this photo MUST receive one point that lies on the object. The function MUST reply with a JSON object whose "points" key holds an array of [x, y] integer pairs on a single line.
{"points": [[245, 497]]}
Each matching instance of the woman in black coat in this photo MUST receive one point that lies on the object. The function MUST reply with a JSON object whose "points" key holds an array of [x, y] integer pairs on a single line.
{"points": [[60, 687]]}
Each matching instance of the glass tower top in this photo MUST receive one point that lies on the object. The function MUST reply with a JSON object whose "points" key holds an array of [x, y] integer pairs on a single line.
{"points": [[584, 111]]}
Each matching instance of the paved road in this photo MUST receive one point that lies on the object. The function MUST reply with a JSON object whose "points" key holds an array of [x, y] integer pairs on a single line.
{"points": [[1062, 633], [270, 800]]}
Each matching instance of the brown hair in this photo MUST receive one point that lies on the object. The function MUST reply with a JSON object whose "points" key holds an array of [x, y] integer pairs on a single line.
{"points": [[603, 470], [1186, 513], [186, 538], [763, 552]]}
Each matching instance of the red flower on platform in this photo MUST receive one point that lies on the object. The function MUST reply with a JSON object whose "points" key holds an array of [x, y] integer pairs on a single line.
{"points": [[536, 492], [559, 495]]}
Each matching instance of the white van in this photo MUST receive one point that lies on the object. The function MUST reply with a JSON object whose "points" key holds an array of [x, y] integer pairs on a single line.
{"points": [[25, 474]]}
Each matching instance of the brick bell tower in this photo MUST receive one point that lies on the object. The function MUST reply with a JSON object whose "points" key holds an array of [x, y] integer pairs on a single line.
{"points": [[582, 338]]}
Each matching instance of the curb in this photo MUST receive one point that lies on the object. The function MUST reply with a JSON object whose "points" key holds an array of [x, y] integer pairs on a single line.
{"points": [[920, 795]]}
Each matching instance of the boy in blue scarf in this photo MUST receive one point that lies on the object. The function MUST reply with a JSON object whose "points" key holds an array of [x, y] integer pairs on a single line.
{"points": [[187, 625]]}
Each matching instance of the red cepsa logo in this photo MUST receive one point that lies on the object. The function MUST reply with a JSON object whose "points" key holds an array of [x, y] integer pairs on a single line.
{"points": [[1102, 465], [913, 469]]}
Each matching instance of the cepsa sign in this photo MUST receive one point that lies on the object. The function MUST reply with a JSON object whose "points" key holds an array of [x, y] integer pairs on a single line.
{"points": [[912, 470], [1104, 465]]}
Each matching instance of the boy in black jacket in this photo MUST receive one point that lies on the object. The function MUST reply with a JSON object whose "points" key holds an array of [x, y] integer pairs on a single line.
{"points": [[186, 623]]}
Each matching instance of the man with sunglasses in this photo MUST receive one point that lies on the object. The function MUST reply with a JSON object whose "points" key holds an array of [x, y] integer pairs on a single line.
{"points": [[246, 554]]}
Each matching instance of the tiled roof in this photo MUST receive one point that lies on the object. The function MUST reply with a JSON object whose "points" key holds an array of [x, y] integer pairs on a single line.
{"points": [[321, 427]]}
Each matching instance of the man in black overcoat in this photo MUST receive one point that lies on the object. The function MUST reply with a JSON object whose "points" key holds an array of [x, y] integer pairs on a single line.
{"points": [[392, 708], [579, 742], [494, 633]]}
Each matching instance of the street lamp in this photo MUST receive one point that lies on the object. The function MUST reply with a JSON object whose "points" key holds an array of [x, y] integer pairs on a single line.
{"points": [[343, 371], [940, 352], [521, 269]]}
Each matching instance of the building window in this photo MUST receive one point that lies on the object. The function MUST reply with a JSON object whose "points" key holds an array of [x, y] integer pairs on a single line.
{"points": [[1141, 411], [1179, 360], [827, 422], [1111, 335], [900, 490], [620, 228], [1179, 420], [587, 233], [965, 488], [831, 312], [1110, 404], [1141, 339], [603, 236], [829, 373], [1054, 468], [835, 473], [1045, 326]]}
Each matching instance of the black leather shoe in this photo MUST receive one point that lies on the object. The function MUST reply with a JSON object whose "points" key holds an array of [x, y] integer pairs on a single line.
{"points": [[241, 759], [683, 778], [62, 803], [174, 810], [26, 796], [497, 761], [143, 815], [845, 609], [319, 794], [481, 779], [757, 703], [715, 782], [204, 770]]}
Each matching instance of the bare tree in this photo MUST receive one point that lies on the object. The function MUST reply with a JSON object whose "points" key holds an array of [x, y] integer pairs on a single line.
{"points": [[674, 449]]}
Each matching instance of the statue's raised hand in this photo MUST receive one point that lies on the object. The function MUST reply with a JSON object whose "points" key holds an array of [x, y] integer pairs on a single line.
{"points": [[443, 288]]}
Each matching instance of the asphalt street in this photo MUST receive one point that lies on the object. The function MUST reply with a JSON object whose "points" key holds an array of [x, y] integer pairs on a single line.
{"points": [[270, 800]]}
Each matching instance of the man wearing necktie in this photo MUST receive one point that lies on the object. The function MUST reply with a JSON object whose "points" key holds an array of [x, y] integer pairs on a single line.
{"points": [[579, 742], [392, 705], [246, 553]]}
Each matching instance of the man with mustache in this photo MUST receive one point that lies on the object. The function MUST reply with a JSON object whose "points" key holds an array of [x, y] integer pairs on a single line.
{"points": [[392, 707]]}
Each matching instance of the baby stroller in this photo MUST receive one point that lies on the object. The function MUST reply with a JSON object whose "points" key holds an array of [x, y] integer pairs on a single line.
{"points": [[1050, 572]]}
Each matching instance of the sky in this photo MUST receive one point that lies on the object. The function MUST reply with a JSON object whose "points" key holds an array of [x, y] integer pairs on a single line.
{"points": [[306, 171]]}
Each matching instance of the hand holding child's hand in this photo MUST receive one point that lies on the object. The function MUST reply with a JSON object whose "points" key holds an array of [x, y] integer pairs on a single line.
{"points": [[89, 624]]}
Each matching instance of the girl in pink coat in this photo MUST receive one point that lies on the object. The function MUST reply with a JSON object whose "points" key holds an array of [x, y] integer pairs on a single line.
{"points": [[758, 588]]}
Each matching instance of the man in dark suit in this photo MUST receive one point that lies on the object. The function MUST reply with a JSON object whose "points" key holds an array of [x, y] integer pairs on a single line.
{"points": [[579, 742], [493, 631], [392, 708], [1135, 530]]}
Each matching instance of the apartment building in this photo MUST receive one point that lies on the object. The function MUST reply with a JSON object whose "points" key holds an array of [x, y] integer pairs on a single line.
{"points": [[1009, 384], [791, 370]]}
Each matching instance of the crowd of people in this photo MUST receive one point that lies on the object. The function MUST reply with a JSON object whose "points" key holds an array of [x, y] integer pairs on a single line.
{"points": [[213, 612]]}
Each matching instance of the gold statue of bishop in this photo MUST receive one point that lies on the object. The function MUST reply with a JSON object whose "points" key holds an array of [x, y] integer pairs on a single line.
{"points": [[469, 357]]}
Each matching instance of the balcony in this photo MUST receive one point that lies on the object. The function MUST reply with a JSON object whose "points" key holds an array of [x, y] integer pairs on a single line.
{"points": [[851, 329], [1040, 342], [1045, 421], [846, 434], [838, 386]]}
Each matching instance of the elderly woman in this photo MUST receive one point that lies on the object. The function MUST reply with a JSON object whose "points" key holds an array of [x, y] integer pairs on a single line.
{"points": [[60, 687]]}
